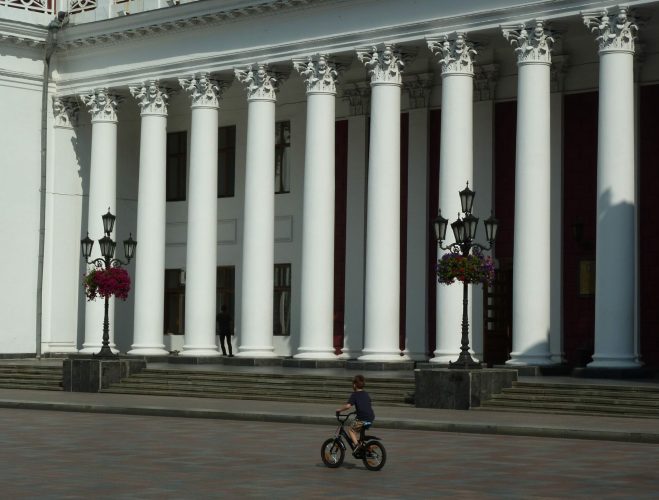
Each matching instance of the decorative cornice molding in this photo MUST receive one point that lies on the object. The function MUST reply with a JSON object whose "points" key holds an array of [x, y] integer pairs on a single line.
{"points": [[532, 42], [102, 105], [456, 54], [189, 16], [358, 95], [259, 82], [418, 88], [485, 82], [65, 111], [320, 74], [204, 91], [616, 32], [384, 66], [151, 98]]}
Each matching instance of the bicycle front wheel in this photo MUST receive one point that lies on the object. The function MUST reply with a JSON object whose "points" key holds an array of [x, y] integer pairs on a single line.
{"points": [[332, 453], [374, 455]]}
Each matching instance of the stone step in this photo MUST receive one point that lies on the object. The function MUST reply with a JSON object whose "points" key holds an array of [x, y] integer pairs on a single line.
{"points": [[260, 386], [116, 389], [639, 396], [526, 409], [622, 400], [21, 384], [573, 408], [614, 389]]}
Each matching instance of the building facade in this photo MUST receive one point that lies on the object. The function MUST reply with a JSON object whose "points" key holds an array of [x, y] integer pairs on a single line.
{"points": [[285, 159]]}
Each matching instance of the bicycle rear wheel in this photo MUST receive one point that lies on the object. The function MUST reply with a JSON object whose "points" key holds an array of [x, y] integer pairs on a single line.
{"points": [[374, 455], [332, 453]]}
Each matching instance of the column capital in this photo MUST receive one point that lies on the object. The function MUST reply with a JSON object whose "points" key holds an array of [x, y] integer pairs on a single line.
{"points": [[485, 82], [615, 29], [456, 54], [320, 74], [102, 105], [532, 42], [384, 65], [418, 88], [151, 98], [358, 95], [259, 82], [65, 111], [204, 91]]}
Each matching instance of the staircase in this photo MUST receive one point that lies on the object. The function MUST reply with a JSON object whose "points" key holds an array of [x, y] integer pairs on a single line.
{"points": [[261, 386], [38, 377], [578, 399]]}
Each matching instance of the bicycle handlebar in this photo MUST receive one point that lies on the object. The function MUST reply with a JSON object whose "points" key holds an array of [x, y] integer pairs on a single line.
{"points": [[345, 416]]}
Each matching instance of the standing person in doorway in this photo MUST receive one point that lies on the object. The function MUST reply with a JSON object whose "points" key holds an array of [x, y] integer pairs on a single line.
{"points": [[223, 325]]}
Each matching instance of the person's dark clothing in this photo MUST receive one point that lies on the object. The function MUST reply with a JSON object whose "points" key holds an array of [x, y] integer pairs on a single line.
{"points": [[362, 403], [223, 323]]}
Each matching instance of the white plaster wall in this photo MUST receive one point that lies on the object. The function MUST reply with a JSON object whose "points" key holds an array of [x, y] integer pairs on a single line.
{"points": [[20, 176]]}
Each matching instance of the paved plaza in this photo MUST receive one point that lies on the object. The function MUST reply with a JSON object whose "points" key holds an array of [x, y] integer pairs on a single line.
{"points": [[55, 454]]}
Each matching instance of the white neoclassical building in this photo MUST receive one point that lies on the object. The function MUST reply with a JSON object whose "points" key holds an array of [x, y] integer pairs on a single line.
{"points": [[285, 159]]}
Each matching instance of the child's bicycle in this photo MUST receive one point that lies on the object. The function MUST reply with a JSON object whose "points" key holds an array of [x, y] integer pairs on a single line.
{"points": [[333, 450]]}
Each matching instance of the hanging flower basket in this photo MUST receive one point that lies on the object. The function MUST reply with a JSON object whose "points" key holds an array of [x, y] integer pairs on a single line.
{"points": [[474, 268], [106, 283]]}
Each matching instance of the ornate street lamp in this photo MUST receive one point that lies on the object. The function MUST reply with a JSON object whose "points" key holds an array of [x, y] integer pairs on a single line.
{"points": [[464, 232], [108, 246]]}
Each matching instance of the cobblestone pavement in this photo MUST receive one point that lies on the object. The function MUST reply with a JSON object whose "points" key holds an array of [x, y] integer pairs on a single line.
{"points": [[46, 454]]}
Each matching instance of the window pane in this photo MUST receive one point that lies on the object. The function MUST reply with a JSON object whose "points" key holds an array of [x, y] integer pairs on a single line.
{"points": [[282, 300], [282, 157], [177, 156], [174, 302], [226, 159]]}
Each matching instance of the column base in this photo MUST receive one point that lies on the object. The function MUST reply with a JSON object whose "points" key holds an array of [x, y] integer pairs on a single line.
{"points": [[517, 359], [93, 349], [157, 350], [199, 351], [604, 361], [381, 356], [307, 353], [256, 352], [415, 356], [446, 357]]}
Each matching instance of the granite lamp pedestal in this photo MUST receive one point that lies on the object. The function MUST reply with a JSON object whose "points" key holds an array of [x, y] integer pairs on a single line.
{"points": [[91, 374], [458, 389]]}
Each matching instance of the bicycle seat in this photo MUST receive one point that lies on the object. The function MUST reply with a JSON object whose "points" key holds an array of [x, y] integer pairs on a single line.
{"points": [[367, 424]]}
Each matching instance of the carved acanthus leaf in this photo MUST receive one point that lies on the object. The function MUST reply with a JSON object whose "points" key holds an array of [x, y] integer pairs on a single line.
{"points": [[532, 42], [320, 74], [258, 81], [204, 91], [456, 55], [358, 95], [384, 65], [65, 111], [151, 98], [102, 105], [614, 33]]}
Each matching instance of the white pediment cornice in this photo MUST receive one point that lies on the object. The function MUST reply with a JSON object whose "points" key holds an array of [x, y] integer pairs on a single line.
{"points": [[23, 34], [161, 21]]}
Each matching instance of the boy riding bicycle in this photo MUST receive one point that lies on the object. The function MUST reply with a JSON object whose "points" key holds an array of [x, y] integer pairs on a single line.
{"points": [[365, 416]]}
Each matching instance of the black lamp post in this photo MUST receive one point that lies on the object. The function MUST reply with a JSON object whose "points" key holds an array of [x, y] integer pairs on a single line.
{"points": [[108, 246], [464, 232]]}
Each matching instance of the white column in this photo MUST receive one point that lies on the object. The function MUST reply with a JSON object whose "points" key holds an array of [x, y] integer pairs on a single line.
{"points": [[151, 222], [201, 257], [102, 196], [616, 202], [532, 243], [382, 298], [62, 231], [258, 231], [317, 292], [416, 307], [456, 164]]}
